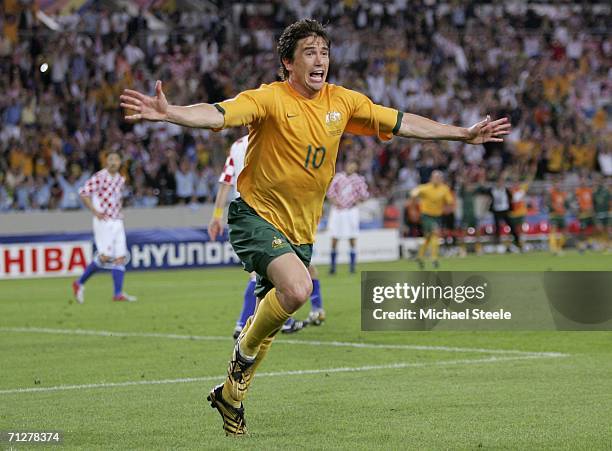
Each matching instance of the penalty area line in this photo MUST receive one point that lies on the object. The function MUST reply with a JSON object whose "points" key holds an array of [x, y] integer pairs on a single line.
{"points": [[391, 366], [106, 333]]}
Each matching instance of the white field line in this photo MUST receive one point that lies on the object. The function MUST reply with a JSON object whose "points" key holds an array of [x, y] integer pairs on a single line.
{"points": [[391, 366], [105, 333]]}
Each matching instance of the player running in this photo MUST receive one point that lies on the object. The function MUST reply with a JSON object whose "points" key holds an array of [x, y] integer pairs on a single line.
{"points": [[227, 181], [435, 198], [102, 194], [346, 191], [295, 127]]}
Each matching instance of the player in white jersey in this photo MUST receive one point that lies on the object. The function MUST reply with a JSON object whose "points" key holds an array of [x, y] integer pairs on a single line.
{"points": [[227, 181], [102, 194], [347, 189]]}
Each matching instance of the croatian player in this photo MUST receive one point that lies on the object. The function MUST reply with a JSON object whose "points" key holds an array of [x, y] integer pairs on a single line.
{"points": [[347, 189], [227, 181], [102, 195]]}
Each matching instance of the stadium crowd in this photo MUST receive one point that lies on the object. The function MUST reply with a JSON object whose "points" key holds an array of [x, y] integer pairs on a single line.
{"points": [[546, 68]]}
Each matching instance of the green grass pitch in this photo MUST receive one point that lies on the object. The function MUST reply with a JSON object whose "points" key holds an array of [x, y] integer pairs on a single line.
{"points": [[145, 386]]}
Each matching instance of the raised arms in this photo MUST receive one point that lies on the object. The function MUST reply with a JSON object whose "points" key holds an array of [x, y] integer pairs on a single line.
{"points": [[415, 126], [201, 115]]}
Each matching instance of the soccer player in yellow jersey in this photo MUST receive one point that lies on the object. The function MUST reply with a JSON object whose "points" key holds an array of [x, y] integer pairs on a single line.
{"points": [[295, 127], [435, 199]]}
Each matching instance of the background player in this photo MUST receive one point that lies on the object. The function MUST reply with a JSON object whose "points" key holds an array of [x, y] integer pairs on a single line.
{"points": [[228, 181], [435, 197], [518, 204], [584, 199], [467, 191], [102, 194], [346, 191], [557, 206], [601, 202]]}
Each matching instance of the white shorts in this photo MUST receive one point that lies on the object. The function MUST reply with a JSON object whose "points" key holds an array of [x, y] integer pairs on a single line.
{"points": [[109, 237], [343, 223]]}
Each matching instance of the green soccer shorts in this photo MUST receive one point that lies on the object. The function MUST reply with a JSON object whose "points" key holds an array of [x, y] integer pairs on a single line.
{"points": [[257, 243], [430, 224], [557, 221]]}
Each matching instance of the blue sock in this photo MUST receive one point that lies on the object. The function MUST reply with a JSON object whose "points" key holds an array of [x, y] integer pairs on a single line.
{"points": [[248, 305], [89, 271], [333, 261], [118, 273], [316, 300], [353, 259]]}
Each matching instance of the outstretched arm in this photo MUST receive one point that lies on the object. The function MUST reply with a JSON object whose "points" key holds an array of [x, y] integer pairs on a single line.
{"points": [[415, 126], [201, 115]]}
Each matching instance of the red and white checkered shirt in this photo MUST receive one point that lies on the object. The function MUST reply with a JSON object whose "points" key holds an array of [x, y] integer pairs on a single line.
{"points": [[235, 162], [346, 191], [105, 191]]}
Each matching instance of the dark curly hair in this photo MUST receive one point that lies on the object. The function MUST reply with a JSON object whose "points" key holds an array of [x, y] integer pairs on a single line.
{"points": [[290, 37]]}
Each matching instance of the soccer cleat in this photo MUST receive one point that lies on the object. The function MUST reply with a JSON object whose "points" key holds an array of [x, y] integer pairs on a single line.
{"points": [[233, 418], [420, 263], [237, 331], [239, 373], [79, 292], [124, 297], [436, 264], [316, 317], [293, 327]]}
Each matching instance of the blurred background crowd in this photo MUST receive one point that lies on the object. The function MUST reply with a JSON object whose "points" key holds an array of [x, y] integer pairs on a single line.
{"points": [[62, 68]]}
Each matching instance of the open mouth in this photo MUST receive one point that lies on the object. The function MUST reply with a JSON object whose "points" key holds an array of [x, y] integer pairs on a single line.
{"points": [[317, 76]]}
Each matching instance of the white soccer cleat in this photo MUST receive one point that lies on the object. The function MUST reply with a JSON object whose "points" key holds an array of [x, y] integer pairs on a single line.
{"points": [[124, 297], [79, 292]]}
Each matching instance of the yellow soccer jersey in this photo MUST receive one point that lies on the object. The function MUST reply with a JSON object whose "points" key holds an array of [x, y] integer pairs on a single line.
{"points": [[433, 199], [293, 145]]}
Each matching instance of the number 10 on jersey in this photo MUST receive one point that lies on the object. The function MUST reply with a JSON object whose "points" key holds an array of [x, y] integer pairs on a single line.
{"points": [[314, 157]]}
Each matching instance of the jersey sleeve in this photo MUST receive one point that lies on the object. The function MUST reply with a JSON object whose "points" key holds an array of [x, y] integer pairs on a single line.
{"points": [[92, 185], [247, 107], [229, 170], [371, 119]]}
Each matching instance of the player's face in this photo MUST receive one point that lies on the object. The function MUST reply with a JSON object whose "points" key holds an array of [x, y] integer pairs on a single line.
{"points": [[113, 163], [351, 168], [308, 70], [436, 178]]}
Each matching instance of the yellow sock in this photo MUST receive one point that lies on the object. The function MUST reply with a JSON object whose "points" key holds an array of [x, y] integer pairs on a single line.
{"points": [[227, 386], [268, 319], [263, 350], [435, 246], [423, 247]]}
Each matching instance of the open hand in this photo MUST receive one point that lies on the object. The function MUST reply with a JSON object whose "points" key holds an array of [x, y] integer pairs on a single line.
{"points": [[146, 107], [487, 131]]}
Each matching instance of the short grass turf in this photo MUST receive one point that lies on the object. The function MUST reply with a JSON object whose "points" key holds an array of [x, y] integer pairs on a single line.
{"points": [[431, 400]]}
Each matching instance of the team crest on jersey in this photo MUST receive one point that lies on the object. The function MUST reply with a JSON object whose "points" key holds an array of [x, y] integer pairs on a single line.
{"points": [[277, 242], [333, 122]]}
